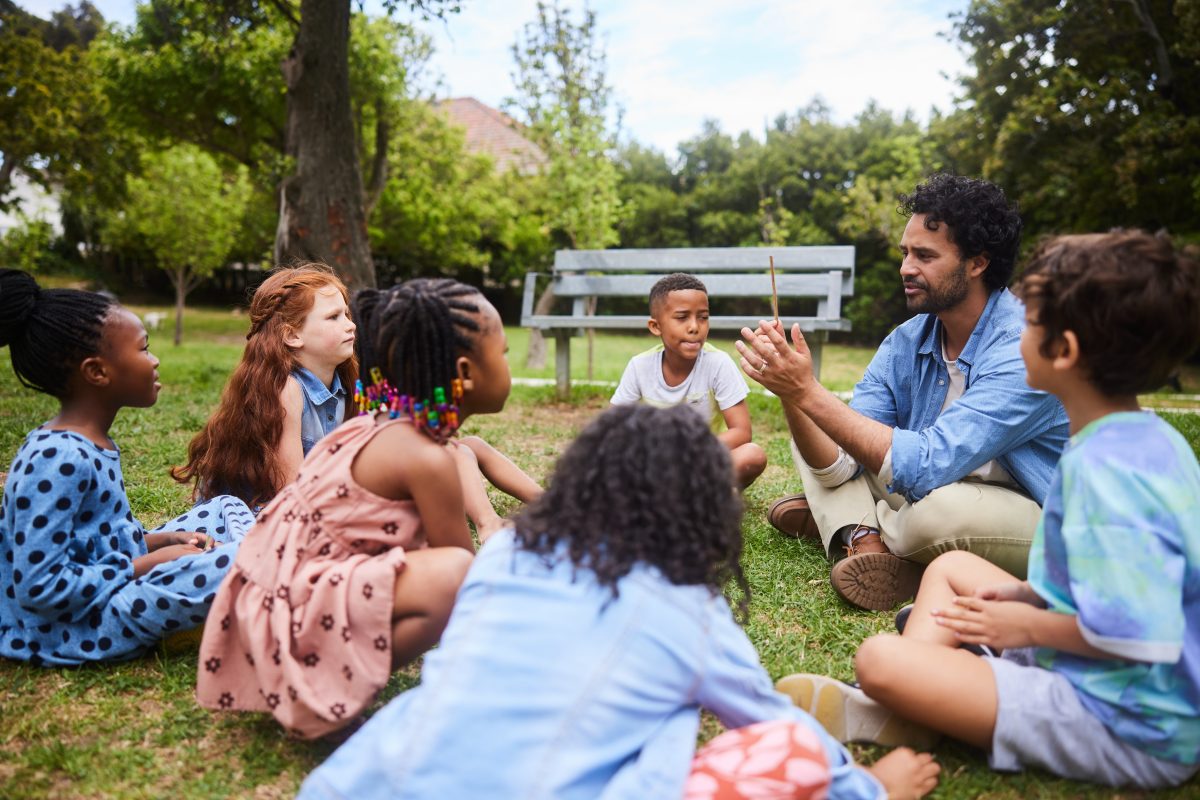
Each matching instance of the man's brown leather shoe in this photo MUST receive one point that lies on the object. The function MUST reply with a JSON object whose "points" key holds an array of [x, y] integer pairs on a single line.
{"points": [[791, 516], [871, 576]]}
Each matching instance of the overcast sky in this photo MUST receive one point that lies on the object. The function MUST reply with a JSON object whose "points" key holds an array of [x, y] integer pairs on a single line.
{"points": [[673, 63]]}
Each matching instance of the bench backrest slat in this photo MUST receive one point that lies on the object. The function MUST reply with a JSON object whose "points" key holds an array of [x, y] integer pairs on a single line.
{"points": [[706, 259]]}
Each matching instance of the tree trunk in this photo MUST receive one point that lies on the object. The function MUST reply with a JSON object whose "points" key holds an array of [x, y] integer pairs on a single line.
{"points": [[321, 216], [179, 278], [535, 357]]}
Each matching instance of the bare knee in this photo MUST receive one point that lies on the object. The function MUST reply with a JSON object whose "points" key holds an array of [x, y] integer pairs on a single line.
{"points": [[875, 663], [947, 565], [749, 461], [451, 569]]}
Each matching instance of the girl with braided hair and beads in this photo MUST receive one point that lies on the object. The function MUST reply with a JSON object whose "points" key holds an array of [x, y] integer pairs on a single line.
{"points": [[83, 580], [351, 571], [289, 390]]}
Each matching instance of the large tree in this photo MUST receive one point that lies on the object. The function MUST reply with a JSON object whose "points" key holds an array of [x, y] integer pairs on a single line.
{"points": [[215, 90]]}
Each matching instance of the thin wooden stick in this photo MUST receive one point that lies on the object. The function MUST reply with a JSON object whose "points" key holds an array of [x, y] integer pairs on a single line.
{"points": [[774, 293]]}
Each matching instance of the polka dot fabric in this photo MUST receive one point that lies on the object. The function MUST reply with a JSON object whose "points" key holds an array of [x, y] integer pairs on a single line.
{"points": [[768, 761], [302, 627], [68, 539]]}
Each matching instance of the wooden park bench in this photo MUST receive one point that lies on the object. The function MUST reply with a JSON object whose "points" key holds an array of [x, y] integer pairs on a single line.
{"points": [[824, 273]]}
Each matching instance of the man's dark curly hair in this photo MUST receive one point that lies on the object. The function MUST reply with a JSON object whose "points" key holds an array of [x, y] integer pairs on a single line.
{"points": [[1129, 297], [643, 485], [979, 220], [675, 282]]}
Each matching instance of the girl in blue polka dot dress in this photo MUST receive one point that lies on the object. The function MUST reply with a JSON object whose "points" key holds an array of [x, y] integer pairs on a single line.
{"points": [[82, 580]]}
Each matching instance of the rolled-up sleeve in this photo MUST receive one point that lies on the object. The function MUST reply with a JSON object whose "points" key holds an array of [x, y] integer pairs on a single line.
{"points": [[874, 396]]}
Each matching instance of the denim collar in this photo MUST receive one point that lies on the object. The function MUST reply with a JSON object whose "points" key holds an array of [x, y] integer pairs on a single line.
{"points": [[931, 344], [316, 391]]}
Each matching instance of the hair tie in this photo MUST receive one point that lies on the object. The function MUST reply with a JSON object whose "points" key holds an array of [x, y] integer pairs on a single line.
{"points": [[438, 418]]}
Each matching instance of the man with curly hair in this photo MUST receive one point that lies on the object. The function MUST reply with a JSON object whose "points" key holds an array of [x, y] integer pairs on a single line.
{"points": [[944, 446]]}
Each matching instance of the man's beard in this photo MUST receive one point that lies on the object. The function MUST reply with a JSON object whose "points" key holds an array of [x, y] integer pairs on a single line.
{"points": [[949, 293]]}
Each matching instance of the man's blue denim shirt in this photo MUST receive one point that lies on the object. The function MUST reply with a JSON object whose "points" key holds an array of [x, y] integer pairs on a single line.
{"points": [[998, 417], [324, 407]]}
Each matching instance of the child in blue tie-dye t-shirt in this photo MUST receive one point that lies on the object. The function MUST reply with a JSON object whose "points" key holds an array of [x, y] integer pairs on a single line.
{"points": [[1099, 676]]}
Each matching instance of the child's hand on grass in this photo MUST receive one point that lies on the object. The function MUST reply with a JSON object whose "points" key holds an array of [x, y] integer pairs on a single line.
{"points": [[1000, 624]]}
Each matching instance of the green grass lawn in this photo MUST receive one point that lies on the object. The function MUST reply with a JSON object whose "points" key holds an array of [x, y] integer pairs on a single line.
{"points": [[134, 730]]}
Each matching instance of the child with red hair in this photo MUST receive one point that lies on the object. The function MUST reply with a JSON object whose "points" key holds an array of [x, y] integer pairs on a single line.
{"points": [[288, 391]]}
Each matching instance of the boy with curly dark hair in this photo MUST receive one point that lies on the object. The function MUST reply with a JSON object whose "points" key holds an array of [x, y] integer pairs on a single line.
{"points": [[943, 446], [684, 369], [1099, 679]]}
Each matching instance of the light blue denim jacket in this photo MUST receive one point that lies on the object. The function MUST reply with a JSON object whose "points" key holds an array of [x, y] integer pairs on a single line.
{"points": [[545, 686], [324, 407], [998, 417]]}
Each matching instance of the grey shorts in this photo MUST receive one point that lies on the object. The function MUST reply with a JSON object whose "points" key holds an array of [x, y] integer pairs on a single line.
{"points": [[1041, 723]]}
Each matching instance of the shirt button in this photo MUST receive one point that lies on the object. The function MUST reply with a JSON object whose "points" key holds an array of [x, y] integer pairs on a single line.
{"points": [[941, 383], [329, 417]]}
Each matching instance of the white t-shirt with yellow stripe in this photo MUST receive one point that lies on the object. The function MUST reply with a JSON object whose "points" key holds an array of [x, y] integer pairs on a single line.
{"points": [[714, 384]]}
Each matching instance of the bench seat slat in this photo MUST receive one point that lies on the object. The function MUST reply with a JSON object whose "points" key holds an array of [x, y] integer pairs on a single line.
{"points": [[723, 323]]}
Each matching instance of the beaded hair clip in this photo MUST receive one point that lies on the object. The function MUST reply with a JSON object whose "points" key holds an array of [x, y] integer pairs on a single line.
{"points": [[438, 418]]}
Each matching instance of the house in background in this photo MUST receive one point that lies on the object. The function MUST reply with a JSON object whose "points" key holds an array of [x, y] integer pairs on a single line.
{"points": [[493, 133]]}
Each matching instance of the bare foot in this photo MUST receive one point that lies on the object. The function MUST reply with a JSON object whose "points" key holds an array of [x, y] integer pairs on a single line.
{"points": [[906, 775]]}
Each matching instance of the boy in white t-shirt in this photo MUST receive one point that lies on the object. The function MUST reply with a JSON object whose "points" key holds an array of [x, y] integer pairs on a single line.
{"points": [[686, 369]]}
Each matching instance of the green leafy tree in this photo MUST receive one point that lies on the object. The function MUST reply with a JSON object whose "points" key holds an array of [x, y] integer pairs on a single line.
{"points": [[435, 215], [270, 84], [185, 211], [1086, 111], [26, 246], [562, 98], [655, 211], [52, 111]]}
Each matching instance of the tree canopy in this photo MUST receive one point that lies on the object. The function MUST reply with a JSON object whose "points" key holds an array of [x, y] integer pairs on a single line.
{"points": [[1087, 113]]}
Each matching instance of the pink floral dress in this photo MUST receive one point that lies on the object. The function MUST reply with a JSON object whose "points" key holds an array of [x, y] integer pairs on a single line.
{"points": [[302, 624]]}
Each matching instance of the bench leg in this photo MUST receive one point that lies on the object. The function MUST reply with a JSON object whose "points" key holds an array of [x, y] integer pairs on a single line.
{"points": [[816, 343], [562, 364]]}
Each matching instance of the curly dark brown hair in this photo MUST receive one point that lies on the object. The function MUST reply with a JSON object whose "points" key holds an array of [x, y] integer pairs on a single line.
{"points": [[643, 485], [1129, 296], [981, 221]]}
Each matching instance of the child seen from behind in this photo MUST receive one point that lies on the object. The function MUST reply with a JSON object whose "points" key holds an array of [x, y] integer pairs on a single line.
{"points": [[1097, 678], [586, 639], [352, 569], [83, 580], [289, 390], [685, 370]]}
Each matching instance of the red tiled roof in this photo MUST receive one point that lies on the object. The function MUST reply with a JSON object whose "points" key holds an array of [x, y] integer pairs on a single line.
{"points": [[493, 133]]}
